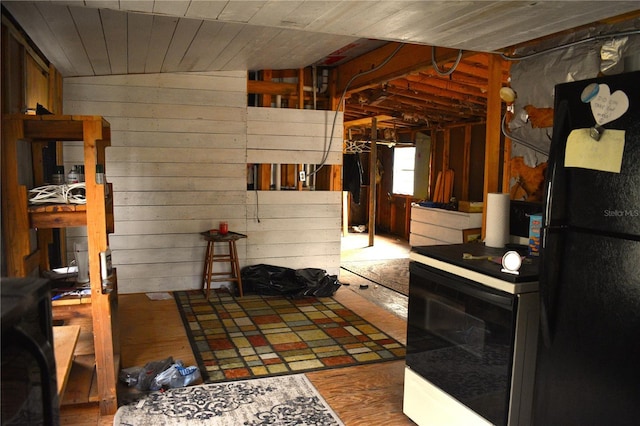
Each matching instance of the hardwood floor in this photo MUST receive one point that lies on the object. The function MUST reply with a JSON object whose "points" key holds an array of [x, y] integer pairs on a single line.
{"points": [[362, 395], [369, 394], [150, 330]]}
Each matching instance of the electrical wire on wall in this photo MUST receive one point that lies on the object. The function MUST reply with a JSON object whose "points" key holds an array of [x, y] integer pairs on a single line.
{"points": [[344, 93], [516, 139]]}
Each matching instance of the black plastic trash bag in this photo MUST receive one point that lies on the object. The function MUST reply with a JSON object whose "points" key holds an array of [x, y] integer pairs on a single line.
{"points": [[270, 280], [317, 282]]}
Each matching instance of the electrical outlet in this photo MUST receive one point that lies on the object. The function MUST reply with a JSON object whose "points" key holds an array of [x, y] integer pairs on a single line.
{"points": [[303, 176]]}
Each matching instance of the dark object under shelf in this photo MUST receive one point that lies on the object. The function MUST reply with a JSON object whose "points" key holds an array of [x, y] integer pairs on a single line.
{"points": [[29, 387]]}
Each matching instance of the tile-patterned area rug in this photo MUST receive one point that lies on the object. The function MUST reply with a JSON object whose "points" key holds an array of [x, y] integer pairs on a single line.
{"points": [[237, 338], [391, 273], [286, 400]]}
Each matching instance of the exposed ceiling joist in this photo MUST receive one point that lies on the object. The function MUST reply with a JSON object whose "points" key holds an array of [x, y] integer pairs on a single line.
{"points": [[410, 58], [367, 121]]}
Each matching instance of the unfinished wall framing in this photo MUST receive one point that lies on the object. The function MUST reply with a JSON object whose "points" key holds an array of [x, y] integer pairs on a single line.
{"points": [[461, 149]]}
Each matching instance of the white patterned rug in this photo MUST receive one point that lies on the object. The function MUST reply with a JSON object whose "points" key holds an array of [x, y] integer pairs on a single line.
{"points": [[282, 400]]}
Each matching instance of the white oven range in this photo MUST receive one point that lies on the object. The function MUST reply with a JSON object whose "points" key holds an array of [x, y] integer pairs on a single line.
{"points": [[471, 338]]}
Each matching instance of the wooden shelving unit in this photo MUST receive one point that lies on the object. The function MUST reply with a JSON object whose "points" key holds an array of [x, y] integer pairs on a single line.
{"points": [[20, 221], [65, 339]]}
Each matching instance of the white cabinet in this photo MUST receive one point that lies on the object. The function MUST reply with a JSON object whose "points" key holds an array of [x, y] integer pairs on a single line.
{"points": [[431, 226]]}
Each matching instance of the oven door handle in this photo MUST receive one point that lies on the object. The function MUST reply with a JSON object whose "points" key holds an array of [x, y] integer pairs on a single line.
{"points": [[463, 285]]}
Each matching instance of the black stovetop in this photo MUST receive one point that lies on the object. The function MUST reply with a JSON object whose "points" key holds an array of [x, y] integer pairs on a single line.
{"points": [[453, 254]]}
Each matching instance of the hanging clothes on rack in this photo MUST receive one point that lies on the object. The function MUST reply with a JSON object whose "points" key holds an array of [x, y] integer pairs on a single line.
{"points": [[352, 175]]}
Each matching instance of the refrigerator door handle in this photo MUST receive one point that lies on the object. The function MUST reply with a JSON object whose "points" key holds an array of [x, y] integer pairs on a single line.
{"points": [[545, 329], [554, 196], [552, 242], [546, 284], [553, 221]]}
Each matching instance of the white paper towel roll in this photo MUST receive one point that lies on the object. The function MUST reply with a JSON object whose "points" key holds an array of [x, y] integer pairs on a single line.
{"points": [[498, 207]]}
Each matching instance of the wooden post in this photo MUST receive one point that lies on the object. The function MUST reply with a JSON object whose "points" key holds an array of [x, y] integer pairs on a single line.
{"points": [[335, 178], [506, 166], [278, 176], [55, 91], [492, 164], [432, 160], [290, 175], [334, 98], [298, 169], [335, 173], [15, 219], [466, 163], [266, 99], [373, 168], [301, 88], [446, 152], [45, 236], [346, 199], [104, 326], [263, 182]]}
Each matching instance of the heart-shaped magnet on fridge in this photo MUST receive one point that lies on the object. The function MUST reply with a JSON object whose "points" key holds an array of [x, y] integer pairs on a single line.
{"points": [[607, 106]]}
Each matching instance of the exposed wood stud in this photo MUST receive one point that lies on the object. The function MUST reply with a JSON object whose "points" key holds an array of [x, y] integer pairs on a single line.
{"points": [[447, 150], [373, 172], [266, 97], [492, 163], [301, 88], [466, 162], [506, 166]]}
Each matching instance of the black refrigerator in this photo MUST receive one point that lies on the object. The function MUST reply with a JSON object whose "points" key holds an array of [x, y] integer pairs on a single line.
{"points": [[588, 360]]}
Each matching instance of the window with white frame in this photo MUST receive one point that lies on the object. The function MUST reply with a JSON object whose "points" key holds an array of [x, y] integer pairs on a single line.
{"points": [[404, 160]]}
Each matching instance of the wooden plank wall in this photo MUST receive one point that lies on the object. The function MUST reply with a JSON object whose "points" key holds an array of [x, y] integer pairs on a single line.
{"points": [[293, 136], [297, 229], [178, 166]]}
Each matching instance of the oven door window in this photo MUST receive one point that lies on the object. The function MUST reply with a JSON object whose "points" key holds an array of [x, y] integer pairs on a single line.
{"points": [[460, 338]]}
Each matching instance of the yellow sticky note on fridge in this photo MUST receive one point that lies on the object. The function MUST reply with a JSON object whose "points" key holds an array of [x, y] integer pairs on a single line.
{"points": [[585, 152]]}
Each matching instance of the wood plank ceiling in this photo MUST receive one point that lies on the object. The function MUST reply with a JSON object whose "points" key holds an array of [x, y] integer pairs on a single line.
{"points": [[110, 37]]}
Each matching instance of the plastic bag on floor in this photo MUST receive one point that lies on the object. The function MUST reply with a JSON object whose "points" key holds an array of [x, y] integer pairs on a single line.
{"points": [[130, 375], [150, 371], [176, 376], [271, 280], [317, 282]]}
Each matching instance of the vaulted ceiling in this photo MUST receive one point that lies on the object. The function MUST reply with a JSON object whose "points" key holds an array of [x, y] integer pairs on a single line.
{"points": [[87, 38]]}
